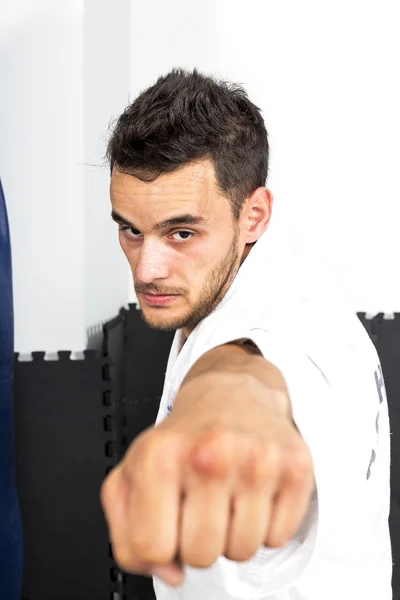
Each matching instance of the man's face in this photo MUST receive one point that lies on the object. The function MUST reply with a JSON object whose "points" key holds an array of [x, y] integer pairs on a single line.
{"points": [[182, 242]]}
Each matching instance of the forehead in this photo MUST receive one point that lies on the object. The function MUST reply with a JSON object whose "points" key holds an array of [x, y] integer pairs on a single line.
{"points": [[190, 189]]}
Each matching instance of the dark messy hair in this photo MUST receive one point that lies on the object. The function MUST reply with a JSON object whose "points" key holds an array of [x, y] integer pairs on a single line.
{"points": [[186, 117]]}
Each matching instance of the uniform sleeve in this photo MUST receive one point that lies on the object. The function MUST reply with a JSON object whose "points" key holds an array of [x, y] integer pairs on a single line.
{"points": [[274, 570]]}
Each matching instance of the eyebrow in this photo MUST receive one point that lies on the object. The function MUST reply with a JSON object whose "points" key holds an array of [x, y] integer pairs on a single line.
{"points": [[178, 220]]}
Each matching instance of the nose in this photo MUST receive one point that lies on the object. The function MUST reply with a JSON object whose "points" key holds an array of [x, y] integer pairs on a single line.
{"points": [[153, 263]]}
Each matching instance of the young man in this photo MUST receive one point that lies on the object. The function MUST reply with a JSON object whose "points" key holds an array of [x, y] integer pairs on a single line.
{"points": [[270, 476]]}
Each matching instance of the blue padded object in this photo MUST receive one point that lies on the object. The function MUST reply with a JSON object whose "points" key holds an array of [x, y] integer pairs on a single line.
{"points": [[10, 519]]}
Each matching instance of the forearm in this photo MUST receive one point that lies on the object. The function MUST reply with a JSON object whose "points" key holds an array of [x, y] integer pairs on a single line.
{"points": [[228, 366]]}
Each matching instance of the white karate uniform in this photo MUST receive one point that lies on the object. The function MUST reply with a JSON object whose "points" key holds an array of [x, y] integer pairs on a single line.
{"points": [[301, 323]]}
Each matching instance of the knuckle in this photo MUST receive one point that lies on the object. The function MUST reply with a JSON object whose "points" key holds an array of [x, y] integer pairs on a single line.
{"points": [[272, 457], [154, 455], [262, 464], [218, 444], [300, 466], [162, 456]]}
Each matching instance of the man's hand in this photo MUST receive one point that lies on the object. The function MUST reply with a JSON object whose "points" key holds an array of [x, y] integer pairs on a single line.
{"points": [[224, 474]]}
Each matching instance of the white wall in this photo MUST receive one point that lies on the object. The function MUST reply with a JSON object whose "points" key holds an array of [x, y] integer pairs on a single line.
{"points": [[41, 156], [326, 76], [64, 73], [106, 93]]}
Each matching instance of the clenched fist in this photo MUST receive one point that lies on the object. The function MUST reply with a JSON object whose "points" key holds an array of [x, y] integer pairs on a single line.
{"points": [[226, 473]]}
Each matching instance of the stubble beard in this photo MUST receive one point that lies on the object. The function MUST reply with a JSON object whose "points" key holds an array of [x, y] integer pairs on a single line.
{"points": [[215, 288]]}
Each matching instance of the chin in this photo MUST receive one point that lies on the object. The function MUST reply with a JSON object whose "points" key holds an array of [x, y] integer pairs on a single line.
{"points": [[160, 321]]}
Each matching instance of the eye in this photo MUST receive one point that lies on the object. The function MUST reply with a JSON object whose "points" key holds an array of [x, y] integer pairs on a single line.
{"points": [[130, 232], [185, 235]]}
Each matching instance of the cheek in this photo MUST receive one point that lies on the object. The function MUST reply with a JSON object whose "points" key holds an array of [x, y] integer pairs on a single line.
{"points": [[197, 275], [208, 257]]}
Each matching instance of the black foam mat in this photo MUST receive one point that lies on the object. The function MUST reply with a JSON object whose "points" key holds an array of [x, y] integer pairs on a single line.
{"points": [[63, 450], [385, 333], [145, 361]]}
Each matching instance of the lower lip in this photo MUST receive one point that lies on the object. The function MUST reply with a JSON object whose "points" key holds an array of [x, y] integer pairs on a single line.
{"points": [[159, 300]]}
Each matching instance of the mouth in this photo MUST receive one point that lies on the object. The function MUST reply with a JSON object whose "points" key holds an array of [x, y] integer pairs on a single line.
{"points": [[159, 299]]}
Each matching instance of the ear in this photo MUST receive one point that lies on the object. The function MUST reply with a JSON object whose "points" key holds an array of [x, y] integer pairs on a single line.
{"points": [[257, 214]]}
